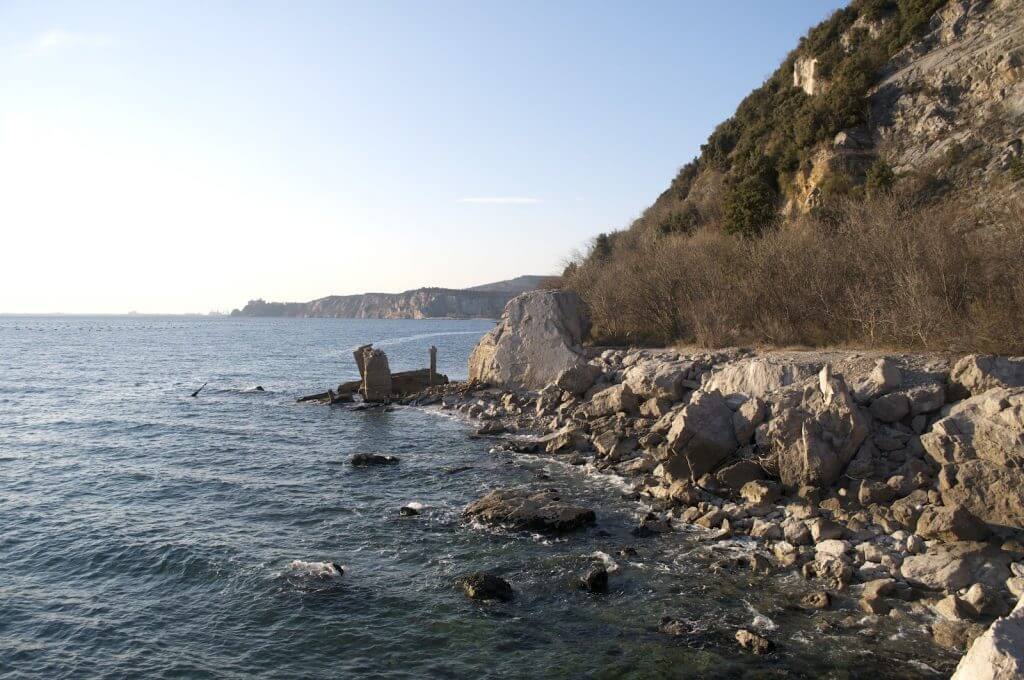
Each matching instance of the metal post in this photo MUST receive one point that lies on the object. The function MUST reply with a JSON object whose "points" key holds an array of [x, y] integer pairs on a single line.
{"points": [[433, 364]]}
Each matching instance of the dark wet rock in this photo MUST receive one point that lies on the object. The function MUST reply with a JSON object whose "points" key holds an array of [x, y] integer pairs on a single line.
{"points": [[408, 511], [753, 642], [627, 551], [259, 388], [484, 586], [595, 580], [367, 459], [522, 509], [491, 428], [817, 599]]}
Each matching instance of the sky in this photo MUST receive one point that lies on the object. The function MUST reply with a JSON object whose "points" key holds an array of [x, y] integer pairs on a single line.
{"points": [[181, 157]]}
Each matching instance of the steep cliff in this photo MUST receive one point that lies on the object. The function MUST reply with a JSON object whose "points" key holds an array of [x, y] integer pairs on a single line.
{"points": [[930, 91]]}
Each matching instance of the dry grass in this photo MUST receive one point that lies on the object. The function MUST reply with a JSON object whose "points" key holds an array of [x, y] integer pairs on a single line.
{"points": [[889, 273]]}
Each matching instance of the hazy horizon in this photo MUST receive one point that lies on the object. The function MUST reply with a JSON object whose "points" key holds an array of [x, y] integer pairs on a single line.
{"points": [[186, 157]]}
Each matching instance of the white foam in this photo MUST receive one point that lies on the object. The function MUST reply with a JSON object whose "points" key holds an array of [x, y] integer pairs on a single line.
{"points": [[606, 559], [760, 621], [321, 569], [415, 505]]}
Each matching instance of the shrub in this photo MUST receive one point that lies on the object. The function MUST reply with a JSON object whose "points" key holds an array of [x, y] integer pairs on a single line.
{"points": [[880, 178], [750, 207], [888, 272]]}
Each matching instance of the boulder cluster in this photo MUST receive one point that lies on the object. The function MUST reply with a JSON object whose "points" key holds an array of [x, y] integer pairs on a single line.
{"points": [[895, 480]]}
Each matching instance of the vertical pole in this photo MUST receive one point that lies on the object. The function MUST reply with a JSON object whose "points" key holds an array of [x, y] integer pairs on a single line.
{"points": [[433, 364]]}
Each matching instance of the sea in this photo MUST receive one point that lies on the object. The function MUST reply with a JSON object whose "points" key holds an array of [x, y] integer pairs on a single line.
{"points": [[146, 533]]}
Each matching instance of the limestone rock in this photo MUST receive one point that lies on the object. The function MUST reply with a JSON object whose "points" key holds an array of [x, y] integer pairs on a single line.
{"points": [[700, 438], [659, 378], [950, 524], [759, 492], [998, 654], [890, 408], [538, 337], [981, 443], [612, 400], [737, 474], [756, 377], [816, 432], [520, 509], [953, 566], [977, 373], [753, 642], [578, 378], [376, 375], [747, 417]]}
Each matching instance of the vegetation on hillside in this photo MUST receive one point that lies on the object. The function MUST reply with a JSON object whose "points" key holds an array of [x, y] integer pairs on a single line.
{"points": [[884, 272], [713, 261]]}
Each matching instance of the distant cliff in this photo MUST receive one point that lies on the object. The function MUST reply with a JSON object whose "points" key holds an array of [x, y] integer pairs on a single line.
{"points": [[483, 302]]}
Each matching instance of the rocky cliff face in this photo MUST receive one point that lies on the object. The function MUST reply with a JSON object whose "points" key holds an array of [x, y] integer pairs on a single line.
{"points": [[956, 97], [422, 303]]}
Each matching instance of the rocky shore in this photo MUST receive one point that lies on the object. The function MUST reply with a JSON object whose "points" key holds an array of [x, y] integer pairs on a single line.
{"points": [[892, 483]]}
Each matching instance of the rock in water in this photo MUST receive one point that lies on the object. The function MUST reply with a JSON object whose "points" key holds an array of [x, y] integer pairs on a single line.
{"points": [[998, 654], [366, 459], [521, 509], [484, 586], [595, 580], [539, 336], [753, 642], [376, 375]]}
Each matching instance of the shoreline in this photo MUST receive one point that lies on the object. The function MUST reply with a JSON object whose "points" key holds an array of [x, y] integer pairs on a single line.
{"points": [[837, 537]]}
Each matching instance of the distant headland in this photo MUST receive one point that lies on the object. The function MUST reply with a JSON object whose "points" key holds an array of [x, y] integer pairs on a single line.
{"points": [[486, 301]]}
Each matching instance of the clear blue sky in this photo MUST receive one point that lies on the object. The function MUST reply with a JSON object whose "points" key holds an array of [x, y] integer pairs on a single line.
{"points": [[187, 156]]}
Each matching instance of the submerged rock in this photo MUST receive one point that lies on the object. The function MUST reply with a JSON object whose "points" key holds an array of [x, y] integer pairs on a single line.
{"points": [[753, 642], [484, 586], [522, 509], [367, 459], [595, 580]]}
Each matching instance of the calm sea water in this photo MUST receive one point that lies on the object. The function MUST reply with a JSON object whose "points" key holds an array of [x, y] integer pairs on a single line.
{"points": [[144, 533]]}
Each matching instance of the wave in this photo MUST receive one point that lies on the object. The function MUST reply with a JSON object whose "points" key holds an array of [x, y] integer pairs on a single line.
{"points": [[419, 336], [318, 569]]}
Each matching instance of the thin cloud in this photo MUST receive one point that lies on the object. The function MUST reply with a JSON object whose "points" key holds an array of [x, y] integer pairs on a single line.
{"points": [[57, 40], [500, 200]]}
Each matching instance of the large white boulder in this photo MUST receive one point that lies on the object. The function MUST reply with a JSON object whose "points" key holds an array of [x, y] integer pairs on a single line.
{"points": [[659, 378], [757, 376], [980, 444], [998, 653], [700, 438], [816, 431], [538, 337], [977, 373]]}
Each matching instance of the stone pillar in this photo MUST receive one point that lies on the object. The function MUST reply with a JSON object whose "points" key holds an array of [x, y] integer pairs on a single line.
{"points": [[433, 364], [376, 375], [358, 354]]}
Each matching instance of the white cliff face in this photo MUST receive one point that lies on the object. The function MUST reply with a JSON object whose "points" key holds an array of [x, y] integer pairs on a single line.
{"points": [[999, 653], [804, 75], [539, 336], [958, 91]]}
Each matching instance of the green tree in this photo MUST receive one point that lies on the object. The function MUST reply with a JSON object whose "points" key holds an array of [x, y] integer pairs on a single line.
{"points": [[880, 178], [750, 207]]}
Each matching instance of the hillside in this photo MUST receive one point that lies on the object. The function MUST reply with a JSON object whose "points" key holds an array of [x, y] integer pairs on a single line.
{"points": [[914, 107], [486, 301]]}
